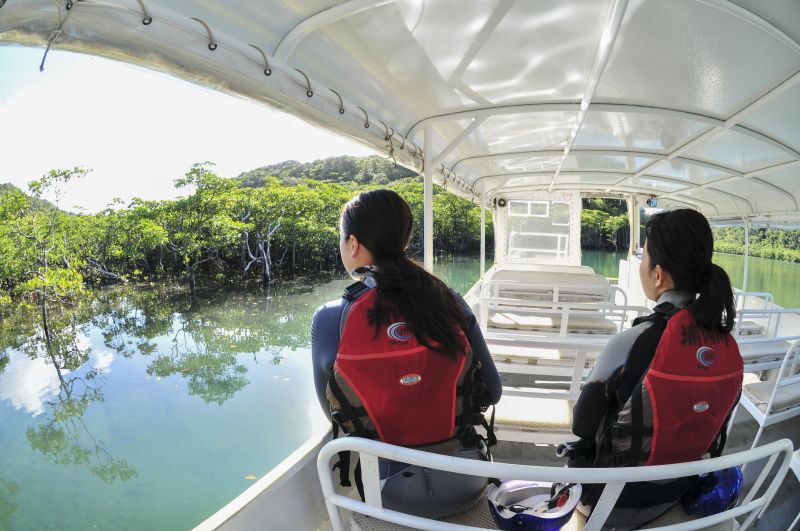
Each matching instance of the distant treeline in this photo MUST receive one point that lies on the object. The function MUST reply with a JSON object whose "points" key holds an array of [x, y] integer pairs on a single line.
{"points": [[765, 242], [252, 226], [604, 224]]}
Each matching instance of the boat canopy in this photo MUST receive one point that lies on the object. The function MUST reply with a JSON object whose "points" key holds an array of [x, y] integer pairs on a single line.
{"points": [[695, 103]]}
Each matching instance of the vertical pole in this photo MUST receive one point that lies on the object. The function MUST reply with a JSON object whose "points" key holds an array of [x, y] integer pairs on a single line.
{"points": [[483, 229], [428, 199], [633, 223], [746, 252]]}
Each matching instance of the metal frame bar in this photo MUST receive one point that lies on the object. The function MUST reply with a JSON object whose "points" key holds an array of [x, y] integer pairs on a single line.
{"points": [[508, 155], [307, 26], [615, 479], [609, 36]]}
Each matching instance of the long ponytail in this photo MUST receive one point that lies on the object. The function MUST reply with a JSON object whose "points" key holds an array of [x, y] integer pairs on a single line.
{"points": [[681, 242], [382, 222]]}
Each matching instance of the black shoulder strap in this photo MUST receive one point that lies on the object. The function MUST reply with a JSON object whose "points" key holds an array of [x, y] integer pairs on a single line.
{"points": [[662, 312], [351, 293]]}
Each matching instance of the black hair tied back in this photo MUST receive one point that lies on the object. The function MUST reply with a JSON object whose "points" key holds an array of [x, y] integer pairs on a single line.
{"points": [[382, 222], [681, 242]]}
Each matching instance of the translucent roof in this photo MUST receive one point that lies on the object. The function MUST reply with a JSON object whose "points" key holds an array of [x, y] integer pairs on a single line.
{"points": [[696, 102]]}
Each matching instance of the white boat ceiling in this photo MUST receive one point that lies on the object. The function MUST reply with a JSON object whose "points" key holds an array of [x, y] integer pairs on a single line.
{"points": [[695, 102]]}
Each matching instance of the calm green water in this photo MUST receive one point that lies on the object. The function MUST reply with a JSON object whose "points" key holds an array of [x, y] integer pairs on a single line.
{"points": [[148, 410]]}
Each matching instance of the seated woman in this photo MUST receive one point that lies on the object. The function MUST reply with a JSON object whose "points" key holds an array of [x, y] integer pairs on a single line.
{"points": [[400, 358], [662, 392]]}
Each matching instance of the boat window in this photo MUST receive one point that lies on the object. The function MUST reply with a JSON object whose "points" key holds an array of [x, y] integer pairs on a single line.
{"points": [[538, 230], [645, 213]]}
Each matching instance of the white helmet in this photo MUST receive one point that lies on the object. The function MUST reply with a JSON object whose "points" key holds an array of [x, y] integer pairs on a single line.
{"points": [[532, 505]]}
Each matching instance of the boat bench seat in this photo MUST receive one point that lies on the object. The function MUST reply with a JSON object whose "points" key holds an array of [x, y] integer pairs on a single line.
{"points": [[533, 414], [749, 328], [547, 295], [786, 398], [479, 516], [759, 351], [576, 324], [530, 355]]}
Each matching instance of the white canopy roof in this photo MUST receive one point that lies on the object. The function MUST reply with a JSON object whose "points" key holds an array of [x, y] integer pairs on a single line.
{"points": [[696, 102]]}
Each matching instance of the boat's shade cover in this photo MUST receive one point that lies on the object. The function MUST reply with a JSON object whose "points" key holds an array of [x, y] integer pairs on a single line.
{"points": [[696, 102]]}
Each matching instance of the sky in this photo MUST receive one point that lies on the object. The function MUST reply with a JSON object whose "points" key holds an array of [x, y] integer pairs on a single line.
{"points": [[136, 130]]}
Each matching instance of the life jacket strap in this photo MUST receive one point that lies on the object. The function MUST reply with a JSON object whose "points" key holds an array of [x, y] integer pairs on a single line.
{"points": [[621, 431], [636, 428]]}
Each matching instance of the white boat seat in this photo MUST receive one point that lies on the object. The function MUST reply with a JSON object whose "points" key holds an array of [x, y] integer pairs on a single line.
{"points": [[795, 466], [532, 414], [758, 351], [478, 516], [547, 295], [749, 328], [576, 324], [530, 355], [787, 397]]}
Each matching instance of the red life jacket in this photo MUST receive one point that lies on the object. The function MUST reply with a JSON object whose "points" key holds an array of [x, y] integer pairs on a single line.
{"points": [[388, 386], [678, 408]]}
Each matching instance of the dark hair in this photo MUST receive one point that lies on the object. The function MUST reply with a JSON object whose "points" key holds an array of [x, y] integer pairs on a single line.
{"points": [[382, 222], [681, 242]]}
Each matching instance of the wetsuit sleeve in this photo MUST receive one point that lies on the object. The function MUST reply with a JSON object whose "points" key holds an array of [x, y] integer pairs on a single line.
{"points": [[324, 346], [592, 404], [475, 337]]}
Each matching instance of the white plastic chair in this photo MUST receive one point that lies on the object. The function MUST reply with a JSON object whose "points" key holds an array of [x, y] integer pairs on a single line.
{"points": [[751, 504], [773, 401], [796, 469]]}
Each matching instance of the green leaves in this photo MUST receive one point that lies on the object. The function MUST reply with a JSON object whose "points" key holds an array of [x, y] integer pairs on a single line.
{"points": [[257, 225]]}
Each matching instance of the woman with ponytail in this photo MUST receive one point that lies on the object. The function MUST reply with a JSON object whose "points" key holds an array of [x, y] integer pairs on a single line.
{"points": [[400, 358], [662, 391]]}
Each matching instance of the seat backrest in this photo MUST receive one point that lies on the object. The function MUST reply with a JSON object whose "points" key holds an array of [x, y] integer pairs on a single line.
{"points": [[751, 503]]}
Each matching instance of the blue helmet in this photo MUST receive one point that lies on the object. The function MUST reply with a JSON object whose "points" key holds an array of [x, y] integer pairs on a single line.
{"points": [[531, 505], [714, 492]]}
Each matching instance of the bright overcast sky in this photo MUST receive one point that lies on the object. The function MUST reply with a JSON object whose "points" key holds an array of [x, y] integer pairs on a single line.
{"points": [[135, 129]]}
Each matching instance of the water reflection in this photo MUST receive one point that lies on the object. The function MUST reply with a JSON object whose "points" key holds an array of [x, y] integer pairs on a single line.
{"points": [[52, 375], [152, 404], [8, 502]]}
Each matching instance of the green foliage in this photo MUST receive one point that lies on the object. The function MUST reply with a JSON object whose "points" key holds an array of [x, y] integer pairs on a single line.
{"points": [[604, 224], [765, 242], [257, 225], [363, 170]]}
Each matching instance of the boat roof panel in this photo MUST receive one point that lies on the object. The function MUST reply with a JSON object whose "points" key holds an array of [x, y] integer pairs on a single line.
{"points": [[636, 131], [696, 102]]}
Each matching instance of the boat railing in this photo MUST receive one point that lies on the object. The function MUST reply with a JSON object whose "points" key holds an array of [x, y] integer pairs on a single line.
{"points": [[772, 317], [555, 291], [775, 400], [562, 312], [763, 353], [752, 503], [796, 469]]}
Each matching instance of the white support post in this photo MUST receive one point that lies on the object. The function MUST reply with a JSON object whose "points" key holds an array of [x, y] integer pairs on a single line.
{"points": [[633, 221], [427, 226], [483, 229], [746, 252]]}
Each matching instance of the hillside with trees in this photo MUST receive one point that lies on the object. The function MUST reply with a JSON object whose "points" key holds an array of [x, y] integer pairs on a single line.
{"points": [[345, 169], [221, 229]]}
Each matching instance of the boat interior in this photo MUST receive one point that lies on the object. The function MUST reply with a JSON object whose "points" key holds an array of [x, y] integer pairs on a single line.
{"points": [[525, 108]]}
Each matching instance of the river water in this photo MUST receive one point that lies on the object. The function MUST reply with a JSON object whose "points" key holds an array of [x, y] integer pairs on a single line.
{"points": [[150, 410]]}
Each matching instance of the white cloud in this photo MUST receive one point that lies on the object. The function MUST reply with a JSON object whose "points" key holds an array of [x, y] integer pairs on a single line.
{"points": [[138, 131], [103, 360], [29, 383]]}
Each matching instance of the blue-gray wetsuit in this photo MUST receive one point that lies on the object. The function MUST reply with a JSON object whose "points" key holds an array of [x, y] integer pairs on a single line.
{"points": [[411, 489], [592, 406]]}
